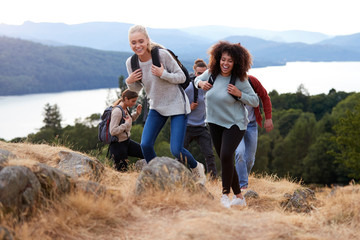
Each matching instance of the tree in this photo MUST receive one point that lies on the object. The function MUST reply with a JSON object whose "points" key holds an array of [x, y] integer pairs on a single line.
{"points": [[291, 152], [347, 139], [52, 117]]}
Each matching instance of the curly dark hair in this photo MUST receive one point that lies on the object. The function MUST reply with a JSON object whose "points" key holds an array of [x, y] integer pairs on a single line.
{"points": [[240, 55]]}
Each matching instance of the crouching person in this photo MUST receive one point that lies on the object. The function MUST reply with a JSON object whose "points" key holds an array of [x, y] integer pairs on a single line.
{"points": [[120, 126]]}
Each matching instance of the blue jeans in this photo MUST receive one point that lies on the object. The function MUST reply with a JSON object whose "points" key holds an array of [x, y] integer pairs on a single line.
{"points": [[153, 125], [245, 154]]}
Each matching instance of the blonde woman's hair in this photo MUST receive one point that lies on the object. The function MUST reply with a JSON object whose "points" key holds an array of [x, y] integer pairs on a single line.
{"points": [[126, 94], [142, 29]]}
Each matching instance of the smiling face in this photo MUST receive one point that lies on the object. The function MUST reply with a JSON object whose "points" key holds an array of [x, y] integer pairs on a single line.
{"points": [[226, 64], [130, 102], [139, 43]]}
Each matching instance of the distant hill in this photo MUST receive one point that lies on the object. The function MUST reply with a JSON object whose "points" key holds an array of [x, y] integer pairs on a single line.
{"points": [[220, 32], [28, 67], [351, 42], [264, 50]]}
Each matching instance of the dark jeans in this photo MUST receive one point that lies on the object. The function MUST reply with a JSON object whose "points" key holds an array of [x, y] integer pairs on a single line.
{"points": [[202, 136], [225, 142], [119, 152]]}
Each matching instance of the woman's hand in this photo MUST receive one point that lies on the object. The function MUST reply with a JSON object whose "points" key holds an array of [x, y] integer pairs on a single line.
{"points": [[205, 85], [157, 71], [127, 119], [138, 109], [134, 76], [234, 90]]}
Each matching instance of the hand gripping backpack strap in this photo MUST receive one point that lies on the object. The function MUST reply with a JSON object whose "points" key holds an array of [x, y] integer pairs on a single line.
{"points": [[212, 79], [232, 81]]}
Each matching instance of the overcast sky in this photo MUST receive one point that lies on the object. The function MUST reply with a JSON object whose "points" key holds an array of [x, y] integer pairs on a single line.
{"points": [[333, 17]]}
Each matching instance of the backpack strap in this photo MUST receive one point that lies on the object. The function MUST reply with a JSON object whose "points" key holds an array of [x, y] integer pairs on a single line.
{"points": [[134, 62], [251, 83], [155, 56], [123, 114]]}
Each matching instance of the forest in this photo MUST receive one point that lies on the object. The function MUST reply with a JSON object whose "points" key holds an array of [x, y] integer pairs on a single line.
{"points": [[316, 138]]}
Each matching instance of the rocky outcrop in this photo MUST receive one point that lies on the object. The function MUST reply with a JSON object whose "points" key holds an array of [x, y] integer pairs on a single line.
{"points": [[23, 187]]}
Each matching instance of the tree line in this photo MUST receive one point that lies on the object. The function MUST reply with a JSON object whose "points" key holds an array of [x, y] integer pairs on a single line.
{"points": [[316, 138]]}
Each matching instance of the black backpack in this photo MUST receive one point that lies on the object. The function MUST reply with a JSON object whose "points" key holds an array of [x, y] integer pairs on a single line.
{"points": [[104, 126], [156, 61], [212, 79]]}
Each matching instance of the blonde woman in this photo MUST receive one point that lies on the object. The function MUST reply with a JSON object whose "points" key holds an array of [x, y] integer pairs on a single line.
{"points": [[166, 99], [120, 126]]}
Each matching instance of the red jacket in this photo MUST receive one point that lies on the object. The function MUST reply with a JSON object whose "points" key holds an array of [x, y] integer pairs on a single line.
{"points": [[265, 99]]}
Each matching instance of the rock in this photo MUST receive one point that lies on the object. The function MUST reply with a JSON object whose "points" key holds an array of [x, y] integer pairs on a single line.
{"points": [[53, 181], [91, 187], [5, 234], [140, 164], [5, 155], [251, 194], [163, 173], [19, 190], [300, 201], [77, 165]]}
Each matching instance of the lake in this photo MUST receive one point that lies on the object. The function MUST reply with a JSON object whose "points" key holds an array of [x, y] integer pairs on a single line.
{"points": [[21, 115]]}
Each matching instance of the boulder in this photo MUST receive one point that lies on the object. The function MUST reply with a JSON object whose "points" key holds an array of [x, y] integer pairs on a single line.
{"points": [[163, 173], [19, 190], [77, 165], [53, 181]]}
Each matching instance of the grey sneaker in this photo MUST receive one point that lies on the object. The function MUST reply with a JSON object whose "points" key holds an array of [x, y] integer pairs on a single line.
{"points": [[238, 201], [199, 173], [225, 201]]}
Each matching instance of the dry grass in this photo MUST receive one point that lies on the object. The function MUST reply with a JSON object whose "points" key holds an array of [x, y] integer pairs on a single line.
{"points": [[182, 215]]}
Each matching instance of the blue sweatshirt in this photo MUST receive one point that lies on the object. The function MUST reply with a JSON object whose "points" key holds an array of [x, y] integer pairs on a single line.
{"points": [[221, 108], [197, 116]]}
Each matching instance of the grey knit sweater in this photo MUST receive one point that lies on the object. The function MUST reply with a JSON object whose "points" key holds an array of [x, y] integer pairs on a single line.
{"points": [[164, 92]]}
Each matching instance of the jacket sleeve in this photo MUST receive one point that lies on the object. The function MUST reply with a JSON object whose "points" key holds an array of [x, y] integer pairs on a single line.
{"points": [[262, 93]]}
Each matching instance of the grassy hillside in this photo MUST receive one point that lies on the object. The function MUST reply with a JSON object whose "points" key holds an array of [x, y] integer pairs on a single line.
{"points": [[28, 67], [181, 215]]}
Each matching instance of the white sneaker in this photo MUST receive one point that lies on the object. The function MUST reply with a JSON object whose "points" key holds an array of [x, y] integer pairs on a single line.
{"points": [[238, 201], [199, 172], [225, 201]]}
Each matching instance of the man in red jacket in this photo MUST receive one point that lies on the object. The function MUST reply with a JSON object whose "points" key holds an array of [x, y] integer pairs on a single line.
{"points": [[245, 152]]}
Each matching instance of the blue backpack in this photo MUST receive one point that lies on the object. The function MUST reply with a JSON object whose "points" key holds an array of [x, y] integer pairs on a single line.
{"points": [[104, 126]]}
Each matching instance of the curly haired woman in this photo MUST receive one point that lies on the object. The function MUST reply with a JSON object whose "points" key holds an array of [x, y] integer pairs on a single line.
{"points": [[225, 110]]}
